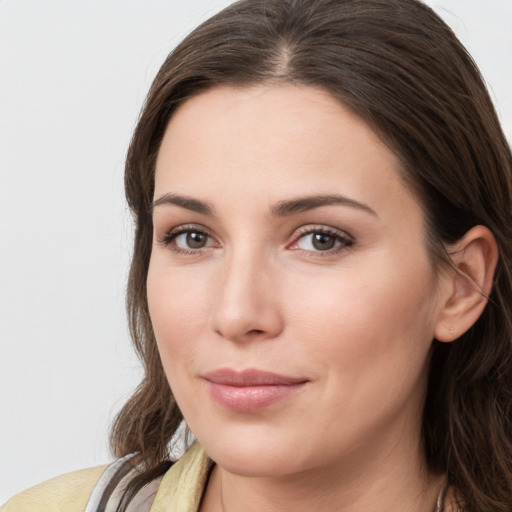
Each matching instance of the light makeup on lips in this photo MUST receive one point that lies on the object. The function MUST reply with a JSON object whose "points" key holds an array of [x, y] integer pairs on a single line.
{"points": [[250, 390]]}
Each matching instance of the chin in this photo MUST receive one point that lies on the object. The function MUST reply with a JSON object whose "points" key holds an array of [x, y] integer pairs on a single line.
{"points": [[255, 454], [262, 464]]}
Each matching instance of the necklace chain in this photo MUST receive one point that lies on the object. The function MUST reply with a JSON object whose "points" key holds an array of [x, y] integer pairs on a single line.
{"points": [[440, 499]]}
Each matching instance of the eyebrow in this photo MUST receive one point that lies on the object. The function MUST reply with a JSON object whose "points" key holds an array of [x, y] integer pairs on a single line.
{"points": [[280, 209], [185, 202], [302, 204]]}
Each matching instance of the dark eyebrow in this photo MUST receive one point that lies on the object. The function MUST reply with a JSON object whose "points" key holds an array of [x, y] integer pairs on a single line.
{"points": [[302, 204], [185, 202]]}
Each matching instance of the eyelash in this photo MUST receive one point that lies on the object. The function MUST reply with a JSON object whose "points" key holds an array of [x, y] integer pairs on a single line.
{"points": [[340, 237], [169, 239], [344, 240]]}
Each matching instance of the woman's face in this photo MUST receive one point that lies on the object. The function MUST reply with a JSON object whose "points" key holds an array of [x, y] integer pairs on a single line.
{"points": [[290, 290]]}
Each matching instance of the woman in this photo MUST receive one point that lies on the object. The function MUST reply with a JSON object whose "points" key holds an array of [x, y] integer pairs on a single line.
{"points": [[321, 282]]}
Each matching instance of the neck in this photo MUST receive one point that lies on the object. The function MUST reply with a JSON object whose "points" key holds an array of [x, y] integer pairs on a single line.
{"points": [[392, 480]]}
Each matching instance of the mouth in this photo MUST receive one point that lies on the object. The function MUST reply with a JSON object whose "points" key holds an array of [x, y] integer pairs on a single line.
{"points": [[250, 390]]}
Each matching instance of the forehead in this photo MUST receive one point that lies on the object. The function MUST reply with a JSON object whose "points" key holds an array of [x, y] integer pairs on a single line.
{"points": [[268, 141]]}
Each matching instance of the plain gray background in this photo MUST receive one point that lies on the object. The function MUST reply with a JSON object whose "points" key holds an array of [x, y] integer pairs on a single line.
{"points": [[73, 75]]}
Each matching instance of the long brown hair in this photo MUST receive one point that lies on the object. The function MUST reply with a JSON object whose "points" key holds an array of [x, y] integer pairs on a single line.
{"points": [[401, 69]]}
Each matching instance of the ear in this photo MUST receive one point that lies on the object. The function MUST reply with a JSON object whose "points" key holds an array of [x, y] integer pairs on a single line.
{"points": [[467, 285]]}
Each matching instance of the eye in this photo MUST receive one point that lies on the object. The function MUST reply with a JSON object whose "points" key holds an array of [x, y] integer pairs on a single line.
{"points": [[191, 240], [188, 239], [317, 241], [321, 240]]}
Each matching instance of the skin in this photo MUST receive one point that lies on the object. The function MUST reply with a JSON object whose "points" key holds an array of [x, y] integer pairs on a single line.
{"points": [[356, 321]]}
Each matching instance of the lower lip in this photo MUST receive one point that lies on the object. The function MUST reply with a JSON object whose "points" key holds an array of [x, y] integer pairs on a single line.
{"points": [[247, 399]]}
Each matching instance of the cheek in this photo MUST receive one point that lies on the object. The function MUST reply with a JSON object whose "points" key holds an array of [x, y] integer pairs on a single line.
{"points": [[178, 309], [370, 339], [391, 295], [371, 325]]}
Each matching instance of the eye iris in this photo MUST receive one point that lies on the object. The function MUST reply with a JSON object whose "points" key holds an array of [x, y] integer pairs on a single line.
{"points": [[323, 242], [196, 240]]}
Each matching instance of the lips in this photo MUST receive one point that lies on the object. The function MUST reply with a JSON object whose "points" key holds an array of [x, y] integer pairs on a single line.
{"points": [[250, 390]]}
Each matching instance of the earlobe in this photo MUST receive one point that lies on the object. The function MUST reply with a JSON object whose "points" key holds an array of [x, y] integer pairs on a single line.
{"points": [[468, 283]]}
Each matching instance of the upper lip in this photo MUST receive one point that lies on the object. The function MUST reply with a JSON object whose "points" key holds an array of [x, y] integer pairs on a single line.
{"points": [[250, 377]]}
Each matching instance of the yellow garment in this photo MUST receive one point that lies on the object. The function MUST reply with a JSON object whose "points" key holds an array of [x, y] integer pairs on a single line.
{"points": [[180, 490], [66, 493], [182, 487]]}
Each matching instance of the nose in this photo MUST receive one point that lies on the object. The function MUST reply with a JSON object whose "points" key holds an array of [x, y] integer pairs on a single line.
{"points": [[247, 306]]}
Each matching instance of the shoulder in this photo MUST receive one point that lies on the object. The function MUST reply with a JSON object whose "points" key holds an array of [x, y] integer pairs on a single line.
{"points": [[100, 488], [69, 492]]}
